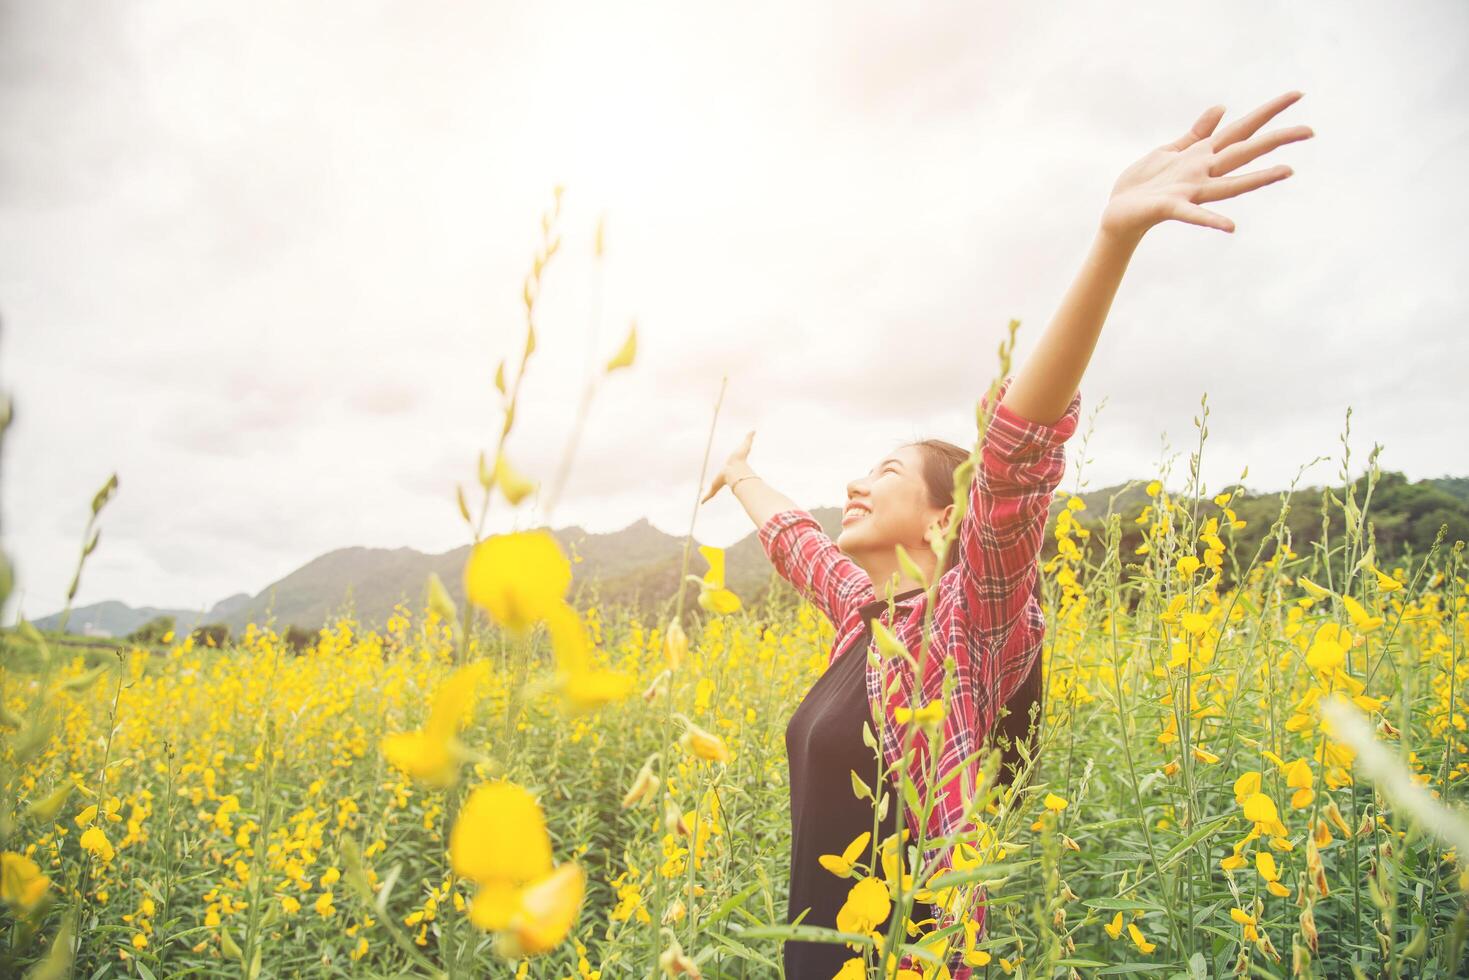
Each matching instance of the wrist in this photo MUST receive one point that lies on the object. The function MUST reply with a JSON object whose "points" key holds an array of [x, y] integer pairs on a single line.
{"points": [[738, 478], [1117, 237]]}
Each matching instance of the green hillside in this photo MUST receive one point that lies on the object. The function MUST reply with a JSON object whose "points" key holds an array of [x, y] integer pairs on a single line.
{"points": [[639, 565]]}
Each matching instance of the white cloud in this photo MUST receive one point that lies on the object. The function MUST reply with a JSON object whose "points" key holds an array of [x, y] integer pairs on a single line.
{"points": [[262, 261]]}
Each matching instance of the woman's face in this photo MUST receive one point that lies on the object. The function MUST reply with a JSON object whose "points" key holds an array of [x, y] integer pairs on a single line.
{"points": [[887, 507]]}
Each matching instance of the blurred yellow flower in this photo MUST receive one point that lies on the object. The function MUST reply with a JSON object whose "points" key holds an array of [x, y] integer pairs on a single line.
{"points": [[519, 579], [1054, 803], [500, 842], [512, 484], [546, 912], [433, 754], [21, 883], [929, 716]]}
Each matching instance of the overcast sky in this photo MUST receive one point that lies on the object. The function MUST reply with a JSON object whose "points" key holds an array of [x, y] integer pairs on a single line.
{"points": [[261, 260]]}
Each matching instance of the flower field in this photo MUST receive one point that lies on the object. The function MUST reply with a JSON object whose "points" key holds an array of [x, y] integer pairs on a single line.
{"points": [[603, 799], [1248, 762]]}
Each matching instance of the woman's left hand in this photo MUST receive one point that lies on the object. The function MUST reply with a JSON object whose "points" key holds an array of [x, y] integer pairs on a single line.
{"points": [[1173, 180]]}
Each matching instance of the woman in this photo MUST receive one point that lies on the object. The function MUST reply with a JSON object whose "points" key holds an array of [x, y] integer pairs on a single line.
{"points": [[986, 615]]}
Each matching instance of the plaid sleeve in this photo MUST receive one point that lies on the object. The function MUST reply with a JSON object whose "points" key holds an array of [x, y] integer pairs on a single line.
{"points": [[806, 556], [989, 589]]}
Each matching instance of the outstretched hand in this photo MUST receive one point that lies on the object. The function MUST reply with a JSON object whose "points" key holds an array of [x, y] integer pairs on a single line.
{"points": [[1173, 180], [738, 460]]}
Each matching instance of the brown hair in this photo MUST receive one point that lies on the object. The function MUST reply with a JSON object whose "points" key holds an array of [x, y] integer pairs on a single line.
{"points": [[940, 461]]}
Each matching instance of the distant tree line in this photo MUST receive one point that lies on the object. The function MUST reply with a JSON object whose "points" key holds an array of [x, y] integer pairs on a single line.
{"points": [[1405, 518], [154, 630]]}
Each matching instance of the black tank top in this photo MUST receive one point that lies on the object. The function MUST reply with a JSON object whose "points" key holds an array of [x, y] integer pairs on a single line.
{"points": [[824, 744]]}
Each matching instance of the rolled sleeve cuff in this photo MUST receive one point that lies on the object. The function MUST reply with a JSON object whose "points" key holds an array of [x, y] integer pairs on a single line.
{"points": [[1012, 436]]}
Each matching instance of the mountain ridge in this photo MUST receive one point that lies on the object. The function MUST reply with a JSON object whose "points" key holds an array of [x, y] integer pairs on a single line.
{"points": [[638, 565]]}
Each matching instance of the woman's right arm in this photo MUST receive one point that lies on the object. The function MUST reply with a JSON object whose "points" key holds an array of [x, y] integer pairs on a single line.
{"points": [[800, 550]]}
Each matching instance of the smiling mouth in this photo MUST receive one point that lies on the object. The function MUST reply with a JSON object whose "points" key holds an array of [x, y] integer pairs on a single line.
{"points": [[853, 515]]}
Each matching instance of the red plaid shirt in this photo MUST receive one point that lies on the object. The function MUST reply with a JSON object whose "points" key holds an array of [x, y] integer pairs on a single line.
{"points": [[986, 615]]}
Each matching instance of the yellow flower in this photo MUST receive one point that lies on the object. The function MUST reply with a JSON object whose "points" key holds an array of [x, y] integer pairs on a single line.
{"points": [[1315, 590], [704, 744], [1204, 755], [519, 579], [583, 685], [546, 912], [1187, 565], [1114, 928], [1360, 618], [713, 596], [1298, 776], [1054, 803], [1385, 582], [1265, 866], [95, 841], [512, 484], [500, 836], [324, 906], [1260, 810], [21, 882], [86, 816], [675, 644], [643, 786], [1142, 944], [1247, 921], [867, 905], [852, 969], [290, 905], [499, 841], [1329, 647], [929, 716], [624, 356], [841, 865], [1153, 488], [433, 754], [1196, 623]]}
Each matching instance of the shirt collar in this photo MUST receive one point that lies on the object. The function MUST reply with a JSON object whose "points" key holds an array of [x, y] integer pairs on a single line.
{"points": [[871, 610]]}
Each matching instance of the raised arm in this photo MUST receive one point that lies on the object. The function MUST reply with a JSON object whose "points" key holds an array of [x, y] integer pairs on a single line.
{"points": [[1022, 460], [984, 596], [802, 553]]}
